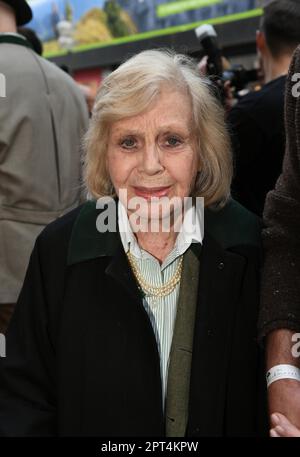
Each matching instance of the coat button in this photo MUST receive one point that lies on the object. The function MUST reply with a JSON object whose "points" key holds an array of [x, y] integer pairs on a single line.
{"points": [[221, 266]]}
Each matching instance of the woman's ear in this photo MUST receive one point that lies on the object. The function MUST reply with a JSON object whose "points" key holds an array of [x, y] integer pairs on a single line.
{"points": [[260, 42]]}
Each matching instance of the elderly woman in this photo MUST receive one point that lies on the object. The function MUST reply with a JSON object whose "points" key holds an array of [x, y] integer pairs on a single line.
{"points": [[131, 332]]}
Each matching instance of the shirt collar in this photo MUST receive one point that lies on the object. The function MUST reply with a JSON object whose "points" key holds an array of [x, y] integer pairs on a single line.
{"points": [[190, 233], [18, 35], [15, 38]]}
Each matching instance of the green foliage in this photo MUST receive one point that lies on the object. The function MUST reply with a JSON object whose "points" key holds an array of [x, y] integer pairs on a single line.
{"points": [[68, 11], [115, 22]]}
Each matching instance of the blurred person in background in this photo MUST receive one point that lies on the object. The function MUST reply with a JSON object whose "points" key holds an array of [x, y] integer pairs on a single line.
{"points": [[257, 120], [90, 92], [42, 118]]}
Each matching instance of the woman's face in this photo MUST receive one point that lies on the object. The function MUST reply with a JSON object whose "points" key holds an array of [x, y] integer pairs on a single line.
{"points": [[154, 153]]}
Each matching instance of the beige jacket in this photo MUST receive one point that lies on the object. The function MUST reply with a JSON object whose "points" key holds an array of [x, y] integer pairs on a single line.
{"points": [[42, 119]]}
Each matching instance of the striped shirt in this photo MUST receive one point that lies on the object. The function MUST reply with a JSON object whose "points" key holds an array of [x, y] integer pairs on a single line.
{"points": [[161, 310]]}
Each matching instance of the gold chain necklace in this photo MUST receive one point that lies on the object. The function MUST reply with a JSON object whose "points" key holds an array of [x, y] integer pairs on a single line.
{"points": [[156, 291]]}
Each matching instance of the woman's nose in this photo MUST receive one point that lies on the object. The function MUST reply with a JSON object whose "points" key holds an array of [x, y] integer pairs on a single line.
{"points": [[151, 160]]}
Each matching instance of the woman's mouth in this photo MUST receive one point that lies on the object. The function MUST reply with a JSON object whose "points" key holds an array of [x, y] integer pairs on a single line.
{"points": [[149, 192]]}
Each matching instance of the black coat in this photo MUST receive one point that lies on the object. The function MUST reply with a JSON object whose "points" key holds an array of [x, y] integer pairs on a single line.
{"points": [[258, 140], [81, 353]]}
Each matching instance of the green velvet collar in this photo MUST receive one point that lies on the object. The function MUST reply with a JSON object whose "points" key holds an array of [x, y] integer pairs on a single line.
{"points": [[86, 242], [231, 226], [12, 39]]}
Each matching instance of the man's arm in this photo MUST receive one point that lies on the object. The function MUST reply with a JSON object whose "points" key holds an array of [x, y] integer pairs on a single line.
{"points": [[284, 394], [280, 299]]}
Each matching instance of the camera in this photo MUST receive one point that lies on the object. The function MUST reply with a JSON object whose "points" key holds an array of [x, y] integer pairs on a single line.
{"points": [[237, 75]]}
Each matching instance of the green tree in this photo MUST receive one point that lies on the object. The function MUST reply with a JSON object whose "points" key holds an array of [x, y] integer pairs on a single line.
{"points": [[68, 11], [117, 26]]}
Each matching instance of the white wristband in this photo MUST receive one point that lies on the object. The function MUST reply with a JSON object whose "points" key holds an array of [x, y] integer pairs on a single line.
{"points": [[282, 372]]}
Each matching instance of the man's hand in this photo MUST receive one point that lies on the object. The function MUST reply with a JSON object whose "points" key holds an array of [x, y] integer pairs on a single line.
{"points": [[282, 427], [284, 394], [284, 398]]}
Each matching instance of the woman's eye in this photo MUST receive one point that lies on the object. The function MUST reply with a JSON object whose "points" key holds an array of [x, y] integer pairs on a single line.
{"points": [[128, 143], [173, 141]]}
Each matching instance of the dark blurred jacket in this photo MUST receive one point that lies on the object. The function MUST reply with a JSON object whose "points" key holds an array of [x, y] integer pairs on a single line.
{"points": [[257, 125], [280, 307]]}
